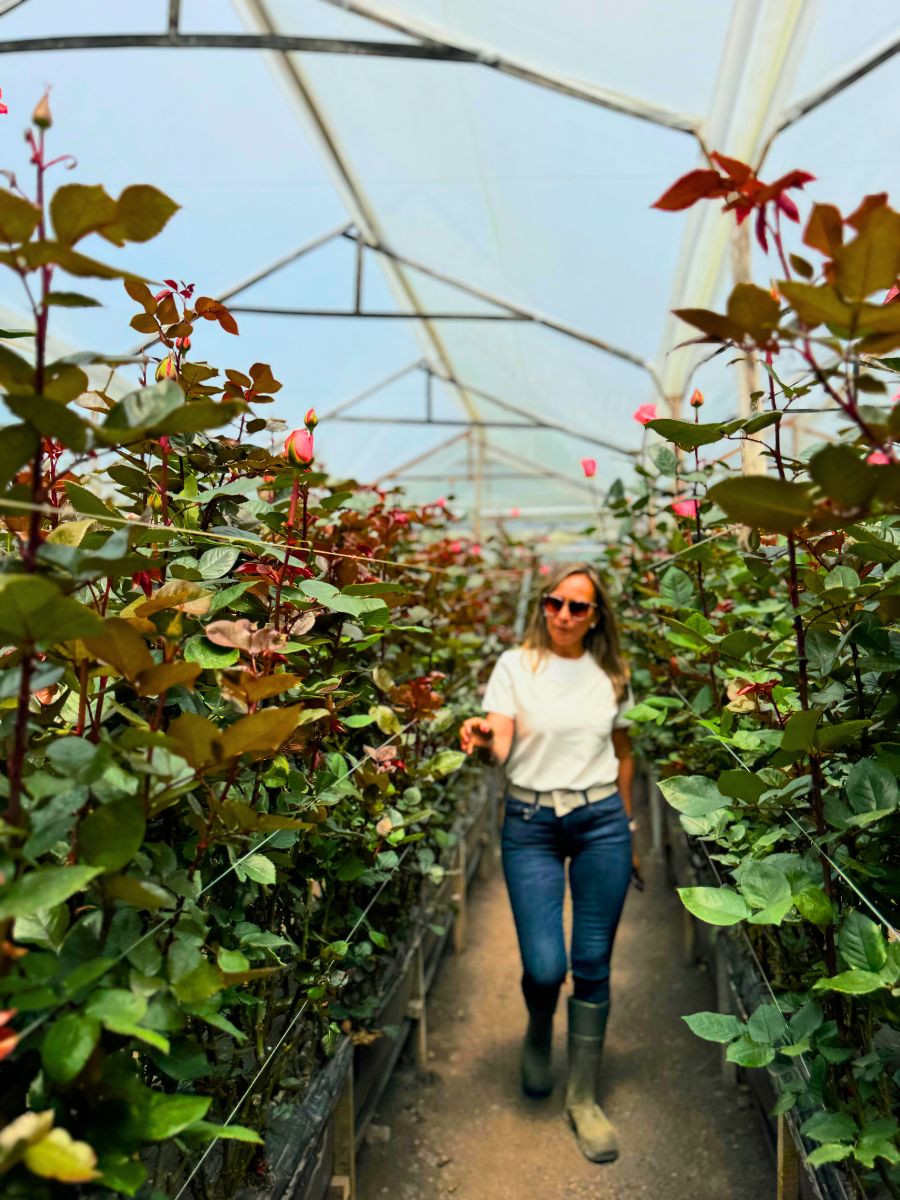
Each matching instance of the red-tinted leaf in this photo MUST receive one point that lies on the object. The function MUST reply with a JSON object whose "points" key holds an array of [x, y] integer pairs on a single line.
{"points": [[788, 207], [761, 235], [858, 218], [736, 170], [690, 188], [824, 229]]}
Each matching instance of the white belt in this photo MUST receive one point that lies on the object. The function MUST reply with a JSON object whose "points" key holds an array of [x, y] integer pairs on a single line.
{"points": [[562, 800]]}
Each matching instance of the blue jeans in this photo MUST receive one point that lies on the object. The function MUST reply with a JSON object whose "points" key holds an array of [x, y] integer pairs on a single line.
{"points": [[536, 843]]}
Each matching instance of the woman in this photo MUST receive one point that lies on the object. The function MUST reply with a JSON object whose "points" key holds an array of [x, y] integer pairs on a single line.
{"points": [[554, 716]]}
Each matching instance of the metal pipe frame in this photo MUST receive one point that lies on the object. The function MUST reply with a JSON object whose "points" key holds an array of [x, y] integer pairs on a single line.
{"points": [[518, 68], [840, 82], [284, 260], [529, 420]]}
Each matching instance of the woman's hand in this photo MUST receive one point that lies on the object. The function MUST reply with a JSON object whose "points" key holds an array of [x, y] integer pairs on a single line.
{"points": [[476, 733]]}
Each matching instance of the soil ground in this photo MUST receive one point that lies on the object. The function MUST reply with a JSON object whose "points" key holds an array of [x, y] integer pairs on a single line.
{"points": [[463, 1129]]}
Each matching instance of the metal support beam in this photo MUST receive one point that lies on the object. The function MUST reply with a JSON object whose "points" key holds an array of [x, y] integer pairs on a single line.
{"points": [[285, 260], [174, 17], [529, 420], [374, 315], [425, 455], [522, 311], [518, 68], [841, 81], [285, 43]]}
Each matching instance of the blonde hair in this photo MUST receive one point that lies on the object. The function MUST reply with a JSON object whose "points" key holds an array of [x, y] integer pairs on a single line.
{"points": [[601, 640]]}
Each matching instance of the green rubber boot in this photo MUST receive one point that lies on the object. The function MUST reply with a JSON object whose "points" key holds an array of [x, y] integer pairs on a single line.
{"points": [[537, 1079], [595, 1134]]}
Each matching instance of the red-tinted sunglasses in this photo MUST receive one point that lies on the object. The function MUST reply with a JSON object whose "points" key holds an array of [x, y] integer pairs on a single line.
{"points": [[577, 608]]}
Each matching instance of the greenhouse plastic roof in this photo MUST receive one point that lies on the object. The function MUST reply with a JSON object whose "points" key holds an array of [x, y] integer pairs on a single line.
{"points": [[519, 157]]}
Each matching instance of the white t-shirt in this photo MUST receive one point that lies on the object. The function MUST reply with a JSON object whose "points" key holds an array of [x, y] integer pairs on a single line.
{"points": [[565, 712]]}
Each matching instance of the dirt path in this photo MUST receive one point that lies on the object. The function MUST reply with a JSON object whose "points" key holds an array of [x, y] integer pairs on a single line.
{"points": [[463, 1129]]}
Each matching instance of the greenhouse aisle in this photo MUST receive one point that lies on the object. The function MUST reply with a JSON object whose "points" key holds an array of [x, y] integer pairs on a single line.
{"points": [[463, 1129]]}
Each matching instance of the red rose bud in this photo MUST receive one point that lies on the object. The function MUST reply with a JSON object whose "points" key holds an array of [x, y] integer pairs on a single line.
{"points": [[166, 369], [589, 466], [42, 117], [696, 398], [645, 413], [311, 420], [298, 449], [183, 343], [3, 109]]}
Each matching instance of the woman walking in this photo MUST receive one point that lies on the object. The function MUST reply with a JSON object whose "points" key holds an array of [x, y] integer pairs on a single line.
{"points": [[554, 710]]}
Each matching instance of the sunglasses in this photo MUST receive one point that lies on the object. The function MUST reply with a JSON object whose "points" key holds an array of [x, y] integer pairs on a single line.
{"points": [[577, 608]]}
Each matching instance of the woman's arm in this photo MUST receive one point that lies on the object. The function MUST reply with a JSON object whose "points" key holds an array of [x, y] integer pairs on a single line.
{"points": [[622, 747], [493, 732]]}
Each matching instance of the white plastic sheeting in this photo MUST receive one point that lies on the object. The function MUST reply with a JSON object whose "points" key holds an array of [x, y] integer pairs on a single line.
{"points": [[526, 193]]}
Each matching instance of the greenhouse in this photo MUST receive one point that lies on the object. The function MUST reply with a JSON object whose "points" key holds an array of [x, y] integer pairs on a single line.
{"points": [[450, 601]]}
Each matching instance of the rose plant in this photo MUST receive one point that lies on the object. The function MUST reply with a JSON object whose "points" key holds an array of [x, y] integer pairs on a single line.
{"points": [[764, 615], [227, 692]]}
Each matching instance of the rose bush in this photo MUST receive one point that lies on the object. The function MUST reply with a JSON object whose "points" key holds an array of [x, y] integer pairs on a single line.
{"points": [[764, 613], [228, 687]]}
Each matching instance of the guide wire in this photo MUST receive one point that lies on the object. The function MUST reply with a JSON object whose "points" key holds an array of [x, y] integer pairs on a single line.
{"points": [[235, 539], [248, 1091]]}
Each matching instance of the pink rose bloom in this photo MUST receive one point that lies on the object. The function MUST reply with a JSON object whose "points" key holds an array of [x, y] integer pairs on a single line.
{"points": [[892, 295], [878, 458], [589, 466], [455, 547], [515, 512], [543, 569], [646, 412], [685, 508]]}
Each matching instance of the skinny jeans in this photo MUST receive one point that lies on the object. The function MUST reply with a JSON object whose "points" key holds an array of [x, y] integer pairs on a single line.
{"points": [[536, 843]]}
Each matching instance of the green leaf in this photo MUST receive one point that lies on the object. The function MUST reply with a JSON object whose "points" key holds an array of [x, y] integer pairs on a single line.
{"points": [[715, 906], [144, 409], [46, 928], [116, 1007], [799, 730], [68, 1045], [232, 961], [72, 300], [832, 737], [78, 209], [18, 444], [861, 942], [199, 650], [164, 1116], [871, 788], [829, 1153], [445, 762], [235, 1133], [258, 868], [685, 434], [766, 888], [44, 888], [677, 588], [805, 1021], [747, 1053], [112, 834], [138, 893], [742, 785], [714, 1026], [812, 904], [18, 218], [767, 1024], [851, 983], [843, 476], [693, 795], [763, 503], [830, 1127], [877, 1140], [218, 561], [32, 609], [142, 211]]}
